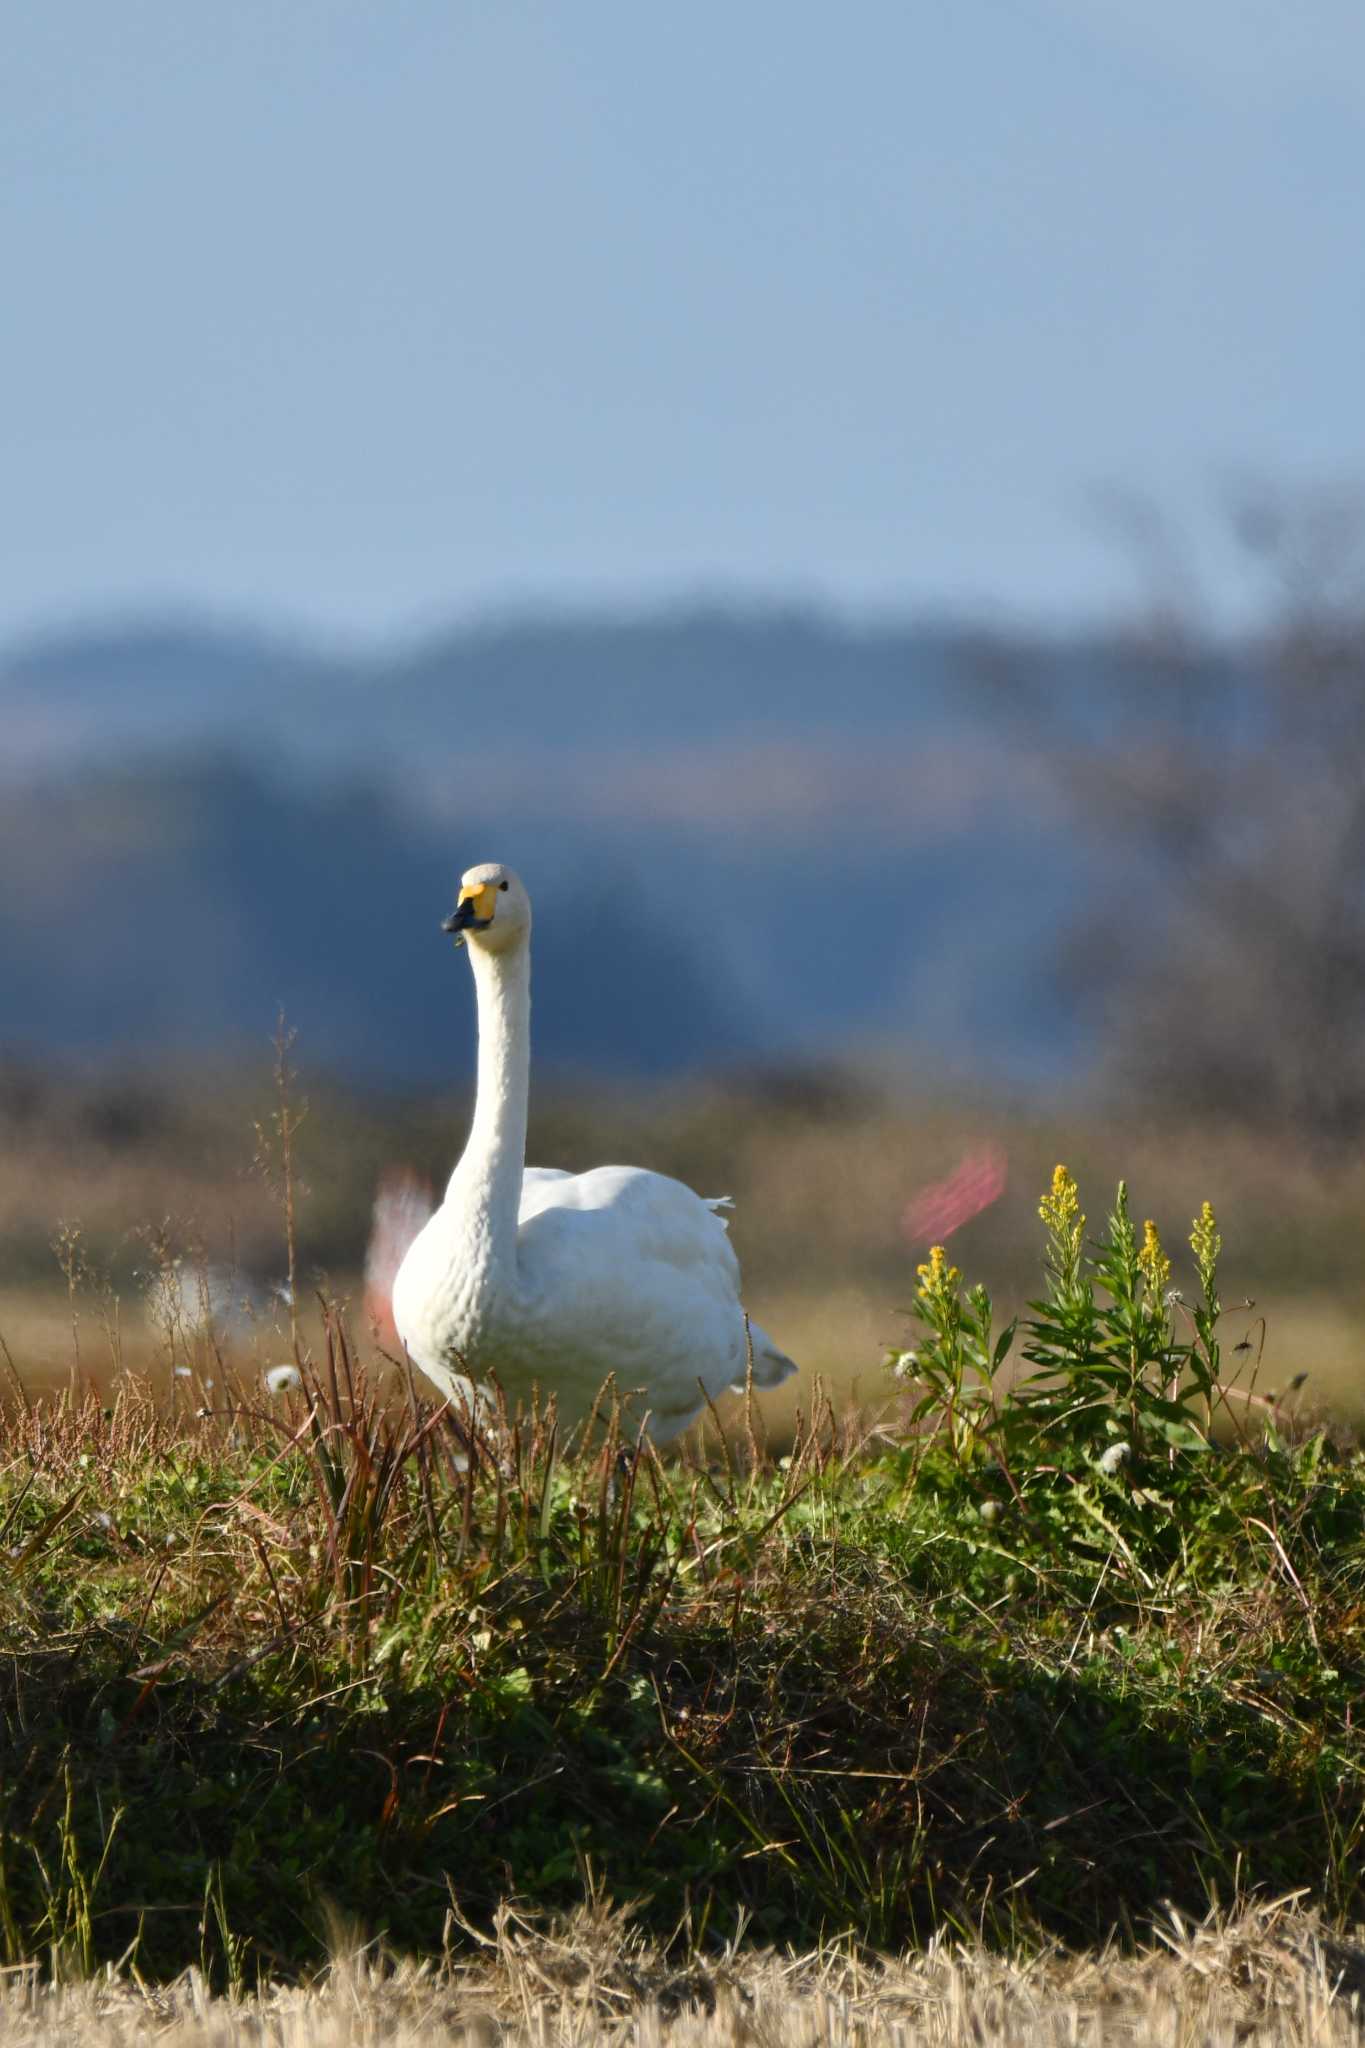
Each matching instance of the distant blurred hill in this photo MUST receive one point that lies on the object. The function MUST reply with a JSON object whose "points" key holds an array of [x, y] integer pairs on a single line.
{"points": [[747, 837]]}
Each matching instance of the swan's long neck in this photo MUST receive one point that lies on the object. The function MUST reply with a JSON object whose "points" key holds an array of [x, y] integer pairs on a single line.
{"points": [[485, 1188]]}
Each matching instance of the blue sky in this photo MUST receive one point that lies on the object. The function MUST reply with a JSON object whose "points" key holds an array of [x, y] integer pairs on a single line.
{"points": [[362, 316]]}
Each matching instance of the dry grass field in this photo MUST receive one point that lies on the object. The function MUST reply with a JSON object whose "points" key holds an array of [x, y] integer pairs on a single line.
{"points": [[1268, 1979]]}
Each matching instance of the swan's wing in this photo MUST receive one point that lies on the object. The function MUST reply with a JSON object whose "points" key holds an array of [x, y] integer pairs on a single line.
{"points": [[537, 1187], [643, 1217], [639, 1277]]}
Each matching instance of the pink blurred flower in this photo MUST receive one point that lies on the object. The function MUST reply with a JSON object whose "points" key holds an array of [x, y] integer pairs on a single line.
{"points": [[401, 1206], [945, 1205]]}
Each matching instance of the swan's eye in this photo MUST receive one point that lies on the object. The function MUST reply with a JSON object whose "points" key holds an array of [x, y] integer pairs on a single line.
{"points": [[502, 885]]}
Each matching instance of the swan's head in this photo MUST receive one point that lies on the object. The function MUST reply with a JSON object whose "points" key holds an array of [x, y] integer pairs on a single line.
{"points": [[492, 911]]}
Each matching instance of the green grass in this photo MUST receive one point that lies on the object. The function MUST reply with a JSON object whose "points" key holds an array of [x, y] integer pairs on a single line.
{"points": [[271, 1667]]}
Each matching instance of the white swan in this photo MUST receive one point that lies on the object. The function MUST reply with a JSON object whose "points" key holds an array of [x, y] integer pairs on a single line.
{"points": [[555, 1280]]}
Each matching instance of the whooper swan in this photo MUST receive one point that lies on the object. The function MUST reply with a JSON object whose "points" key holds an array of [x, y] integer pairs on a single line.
{"points": [[555, 1280]]}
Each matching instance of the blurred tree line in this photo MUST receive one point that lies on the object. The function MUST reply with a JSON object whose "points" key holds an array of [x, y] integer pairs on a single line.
{"points": [[1228, 966]]}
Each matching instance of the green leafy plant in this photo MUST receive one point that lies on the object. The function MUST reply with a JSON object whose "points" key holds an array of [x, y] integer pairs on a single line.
{"points": [[1102, 1419]]}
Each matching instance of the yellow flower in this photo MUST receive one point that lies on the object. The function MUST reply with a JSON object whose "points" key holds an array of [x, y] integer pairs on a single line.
{"points": [[1206, 1244], [938, 1279], [1060, 1207], [1060, 1210], [1156, 1267]]}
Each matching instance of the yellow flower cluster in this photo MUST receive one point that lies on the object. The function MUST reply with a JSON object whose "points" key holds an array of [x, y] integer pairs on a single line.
{"points": [[1156, 1267], [1060, 1207], [937, 1279], [1206, 1244]]}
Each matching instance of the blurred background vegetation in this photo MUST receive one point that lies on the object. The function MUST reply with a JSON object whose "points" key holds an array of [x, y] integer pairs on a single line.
{"points": [[823, 915]]}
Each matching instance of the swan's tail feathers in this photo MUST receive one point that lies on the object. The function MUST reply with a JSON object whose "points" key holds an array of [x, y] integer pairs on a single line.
{"points": [[715, 1203], [401, 1207], [771, 1365]]}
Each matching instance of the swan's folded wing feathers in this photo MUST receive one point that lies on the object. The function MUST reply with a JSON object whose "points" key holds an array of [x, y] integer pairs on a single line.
{"points": [[658, 1308], [632, 1215]]}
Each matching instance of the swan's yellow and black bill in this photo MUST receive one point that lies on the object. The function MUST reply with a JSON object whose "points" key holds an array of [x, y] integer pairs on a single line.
{"points": [[472, 913]]}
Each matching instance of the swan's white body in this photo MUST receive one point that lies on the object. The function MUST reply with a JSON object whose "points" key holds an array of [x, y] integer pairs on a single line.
{"points": [[555, 1280]]}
